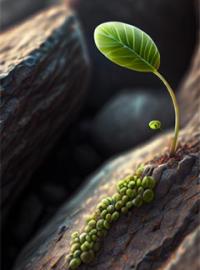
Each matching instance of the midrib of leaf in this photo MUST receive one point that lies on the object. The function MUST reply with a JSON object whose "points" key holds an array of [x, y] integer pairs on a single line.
{"points": [[131, 50]]}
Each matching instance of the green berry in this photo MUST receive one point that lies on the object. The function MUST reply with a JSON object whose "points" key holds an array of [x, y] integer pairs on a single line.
{"points": [[150, 182], [92, 223], [87, 257], [87, 229], [122, 191], [76, 240], [116, 197], [74, 235], [77, 253], [92, 232], [129, 205], [108, 217], [130, 193], [148, 195], [124, 210], [137, 201], [110, 208], [131, 184], [75, 247], [125, 199], [120, 184], [85, 246], [138, 182], [99, 224], [103, 213], [82, 237], [140, 190], [74, 263], [118, 205], [115, 216], [94, 237], [88, 238], [106, 224]]}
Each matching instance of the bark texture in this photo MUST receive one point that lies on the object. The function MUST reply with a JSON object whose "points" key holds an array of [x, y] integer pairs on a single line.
{"points": [[43, 72]]}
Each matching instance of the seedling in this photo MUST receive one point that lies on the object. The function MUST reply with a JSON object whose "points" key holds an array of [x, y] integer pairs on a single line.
{"points": [[130, 47]]}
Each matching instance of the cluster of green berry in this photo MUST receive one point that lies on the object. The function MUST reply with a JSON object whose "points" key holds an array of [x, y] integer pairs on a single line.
{"points": [[131, 191]]}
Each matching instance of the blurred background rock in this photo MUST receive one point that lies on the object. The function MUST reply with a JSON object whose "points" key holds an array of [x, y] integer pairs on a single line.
{"points": [[117, 109]]}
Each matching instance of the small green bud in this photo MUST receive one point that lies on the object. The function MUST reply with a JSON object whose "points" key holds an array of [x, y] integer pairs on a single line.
{"points": [[148, 195], [155, 124], [138, 182], [149, 182], [137, 201], [118, 205], [120, 184], [88, 238], [122, 191], [115, 216], [99, 224], [110, 208], [74, 263], [74, 235], [82, 237], [74, 247], [87, 257], [130, 193], [85, 246], [94, 237], [75, 240], [108, 217], [87, 229], [140, 190], [129, 205], [103, 213], [77, 253], [106, 224], [116, 197], [92, 232], [92, 223], [131, 184], [125, 199]]}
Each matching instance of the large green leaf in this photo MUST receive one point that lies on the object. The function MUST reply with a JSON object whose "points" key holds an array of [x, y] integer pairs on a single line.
{"points": [[127, 46]]}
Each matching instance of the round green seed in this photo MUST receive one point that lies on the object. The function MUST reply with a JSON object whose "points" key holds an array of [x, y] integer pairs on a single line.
{"points": [[122, 191], [87, 257], [94, 237], [92, 232], [138, 182], [103, 213], [140, 190], [137, 201], [125, 199], [110, 208], [99, 224], [74, 263], [116, 197], [115, 216], [92, 223], [85, 246], [130, 193], [106, 224], [131, 184], [88, 238], [108, 217], [87, 229], [76, 240], [118, 205], [77, 253], [148, 195], [74, 235], [82, 237], [129, 205], [75, 247]]}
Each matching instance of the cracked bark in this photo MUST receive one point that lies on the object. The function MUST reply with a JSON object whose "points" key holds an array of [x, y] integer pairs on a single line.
{"points": [[147, 238], [43, 73]]}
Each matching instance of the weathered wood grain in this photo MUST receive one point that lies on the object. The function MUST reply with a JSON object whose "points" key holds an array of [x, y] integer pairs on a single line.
{"points": [[43, 73]]}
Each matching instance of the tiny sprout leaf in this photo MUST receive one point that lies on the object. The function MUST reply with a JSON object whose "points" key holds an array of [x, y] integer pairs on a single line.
{"points": [[127, 46], [155, 124]]}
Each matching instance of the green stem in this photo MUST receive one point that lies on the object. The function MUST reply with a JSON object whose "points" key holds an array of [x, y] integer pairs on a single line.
{"points": [[177, 112]]}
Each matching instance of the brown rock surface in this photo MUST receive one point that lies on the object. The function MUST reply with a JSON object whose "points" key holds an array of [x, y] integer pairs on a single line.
{"points": [[146, 237], [43, 73]]}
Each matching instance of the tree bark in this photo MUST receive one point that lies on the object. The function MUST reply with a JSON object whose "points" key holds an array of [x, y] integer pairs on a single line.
{"points": [[43, 74], [147, 238]]}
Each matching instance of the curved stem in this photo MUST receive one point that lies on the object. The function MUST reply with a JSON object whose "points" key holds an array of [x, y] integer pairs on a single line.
{"points": [[176, 109]]}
